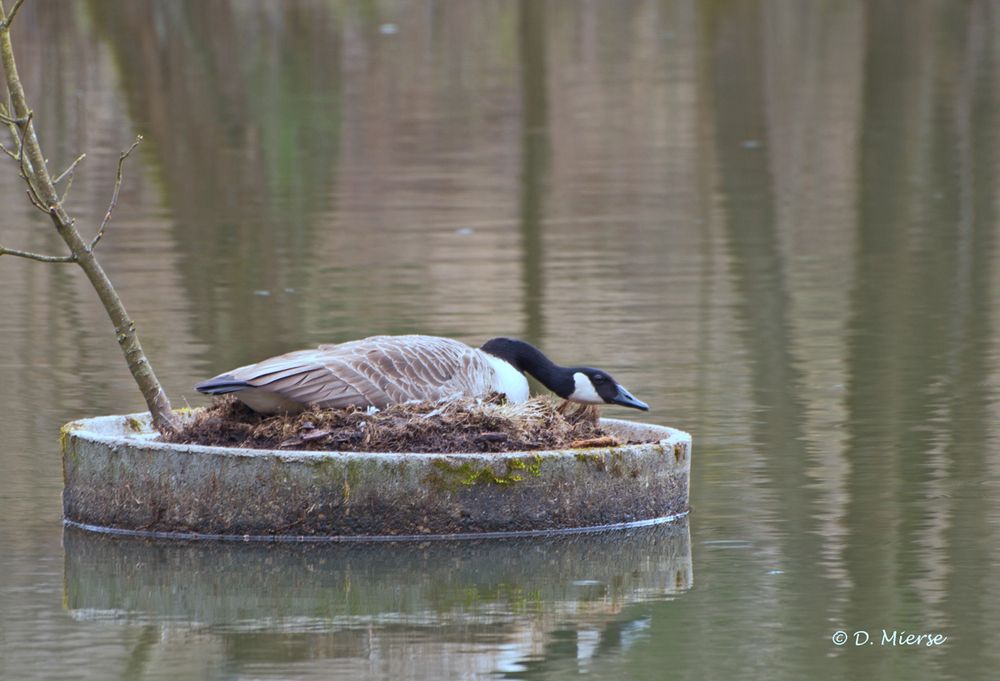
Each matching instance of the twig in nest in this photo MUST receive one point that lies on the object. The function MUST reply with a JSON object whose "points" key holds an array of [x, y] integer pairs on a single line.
{"points": [[587, 413], [114, 195], [603, 441]]}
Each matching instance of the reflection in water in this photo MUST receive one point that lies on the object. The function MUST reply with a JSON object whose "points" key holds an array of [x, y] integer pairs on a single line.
{"points": [[267, 127], [534, 164], [763, 303], [922, 334], [495, 605]]}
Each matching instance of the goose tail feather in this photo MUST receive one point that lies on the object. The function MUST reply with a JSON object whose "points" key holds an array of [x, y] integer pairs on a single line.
{"points": [[220, 385]]}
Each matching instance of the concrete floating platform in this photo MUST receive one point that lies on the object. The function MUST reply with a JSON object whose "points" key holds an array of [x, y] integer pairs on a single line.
{"points": [[119, 477]]}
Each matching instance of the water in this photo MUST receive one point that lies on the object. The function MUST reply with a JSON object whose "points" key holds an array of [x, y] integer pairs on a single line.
{"points": [[773, 221]]}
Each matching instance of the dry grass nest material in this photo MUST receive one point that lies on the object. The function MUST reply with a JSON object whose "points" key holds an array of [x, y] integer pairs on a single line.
{"points": [[465, 425]]}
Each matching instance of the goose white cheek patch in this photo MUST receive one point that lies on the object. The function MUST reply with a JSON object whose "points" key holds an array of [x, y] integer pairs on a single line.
{"points": [[584, 390]]}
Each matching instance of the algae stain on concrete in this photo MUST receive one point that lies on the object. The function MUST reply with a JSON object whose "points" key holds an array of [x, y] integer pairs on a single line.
{"points": [[603, 460], [591, 459], [680, 451], [65, 443], [348, 474], [533, 466], [132, 424], [452, 477]]}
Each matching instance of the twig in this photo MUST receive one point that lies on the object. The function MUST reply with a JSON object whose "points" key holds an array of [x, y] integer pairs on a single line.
{"points": [[36, 203], [5, 24], [36, 256], [13, 131], [6, 118], [10, 153], [69, 184], [71, 174], [32, 193], [69, 170], [114, 195]]}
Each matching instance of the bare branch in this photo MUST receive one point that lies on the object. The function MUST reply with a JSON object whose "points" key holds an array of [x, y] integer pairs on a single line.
{"points": [[69, 171], [5, 24], [25, 173], [7, 119], [36, 203], [69, 184], [10, 153], [37, 256], [114, 195], [9, 122], [28, 174], [39, 183], [15, 136]]}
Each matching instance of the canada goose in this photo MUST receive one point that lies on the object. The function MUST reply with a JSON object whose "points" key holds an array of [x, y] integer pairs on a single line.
{"points": [[384, 370]]}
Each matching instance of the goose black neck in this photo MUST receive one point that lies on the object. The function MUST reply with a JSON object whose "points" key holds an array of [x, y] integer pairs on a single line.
{"points": [[527, 358]]}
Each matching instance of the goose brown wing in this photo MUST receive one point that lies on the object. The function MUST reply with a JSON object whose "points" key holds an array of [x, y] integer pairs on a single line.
{"points": [[301, 377], [377, 371]]}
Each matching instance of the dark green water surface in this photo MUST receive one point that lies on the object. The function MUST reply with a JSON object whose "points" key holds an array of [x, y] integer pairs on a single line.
{"points": [[776, 222]]}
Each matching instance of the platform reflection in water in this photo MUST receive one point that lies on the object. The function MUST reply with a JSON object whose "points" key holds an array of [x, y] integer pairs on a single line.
{"points": [[499, 603]]}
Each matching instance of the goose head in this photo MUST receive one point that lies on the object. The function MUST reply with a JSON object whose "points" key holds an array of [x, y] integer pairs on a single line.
{"points": [[584, 385], [594, 386]]}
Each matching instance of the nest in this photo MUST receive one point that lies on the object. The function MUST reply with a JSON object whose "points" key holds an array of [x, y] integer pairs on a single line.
{"points": [[489, 424]]}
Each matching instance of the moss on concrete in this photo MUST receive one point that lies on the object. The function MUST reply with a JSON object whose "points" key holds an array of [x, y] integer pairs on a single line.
{"points": [[65, 443], [454, 476], [132, 424]]}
